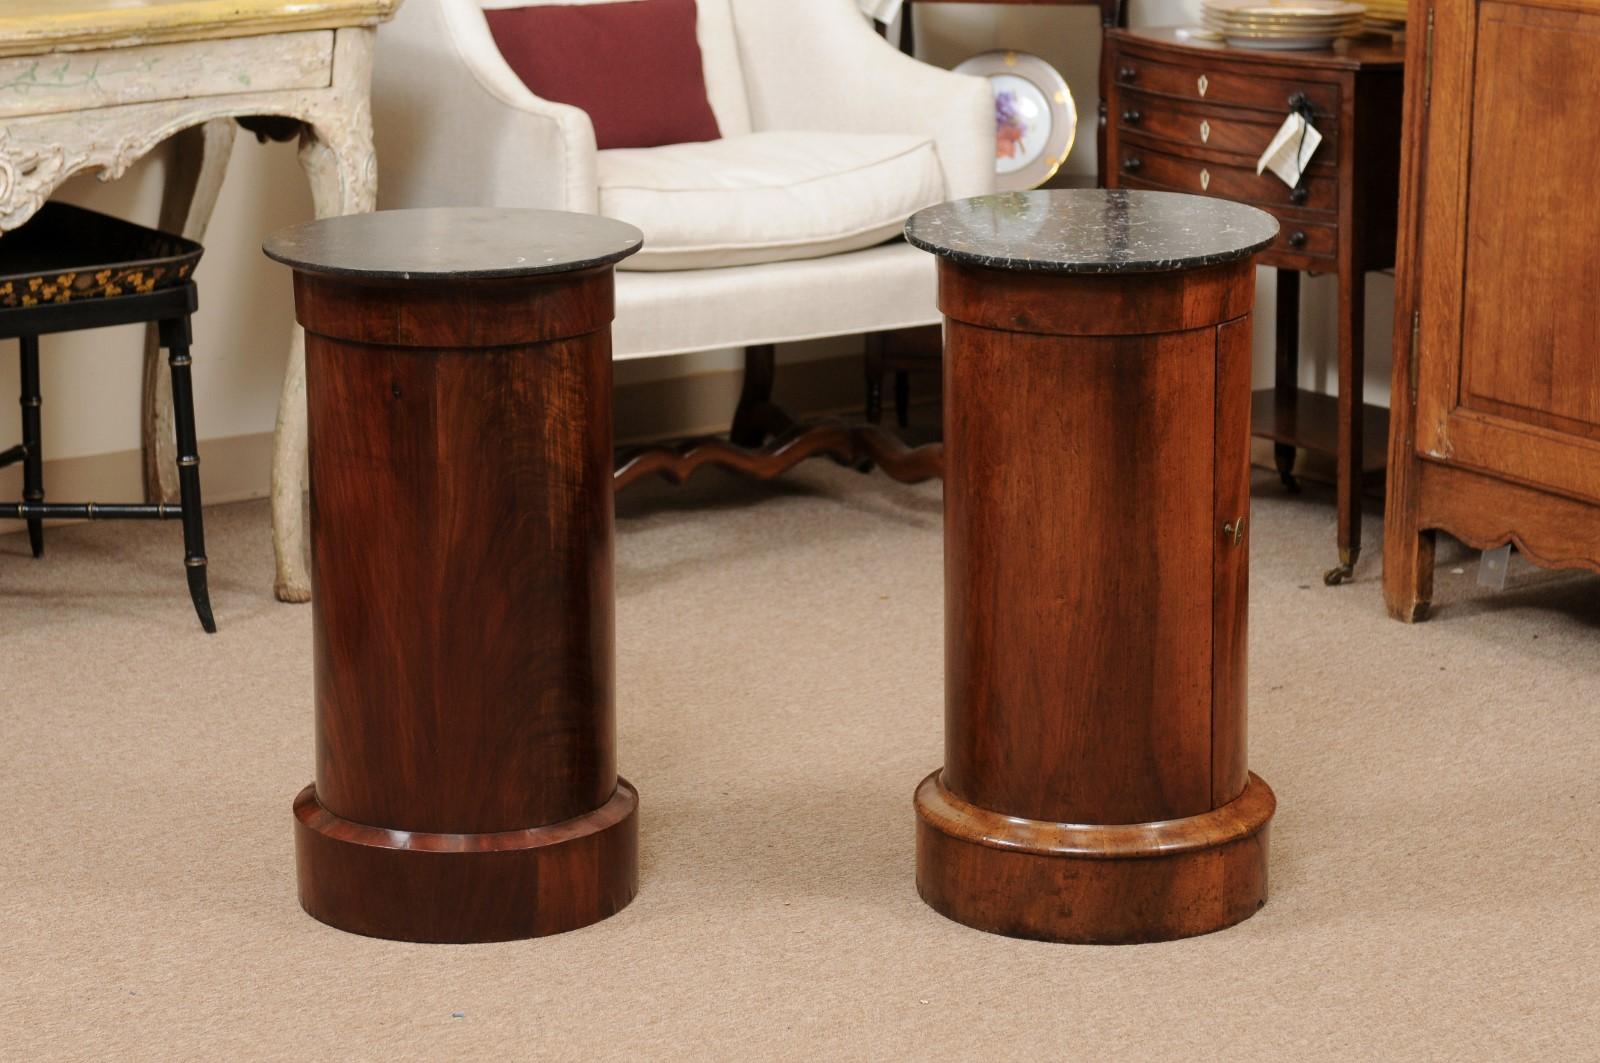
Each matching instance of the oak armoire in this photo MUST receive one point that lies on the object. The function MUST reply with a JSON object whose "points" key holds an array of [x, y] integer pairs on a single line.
{"points": [[1495, 433]]}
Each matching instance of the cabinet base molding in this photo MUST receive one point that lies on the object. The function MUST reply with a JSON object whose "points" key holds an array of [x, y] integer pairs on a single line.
{"points": [[462, 888], [1486, 512], [1093, 884]]}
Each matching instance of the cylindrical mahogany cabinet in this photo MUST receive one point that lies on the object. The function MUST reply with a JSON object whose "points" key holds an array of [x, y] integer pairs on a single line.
{"points": [[1097, 429], [458, 376]]}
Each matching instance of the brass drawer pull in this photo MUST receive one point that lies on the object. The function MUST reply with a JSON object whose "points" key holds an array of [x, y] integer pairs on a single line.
{"points": [[1297, 238], [1298, 194], [1127, 73], [1132, 163], [1233, 532], [1131, 117]]}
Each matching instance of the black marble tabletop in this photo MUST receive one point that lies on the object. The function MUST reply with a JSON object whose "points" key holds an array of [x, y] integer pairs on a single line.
{"points": [[1091, 231], [454, 243]]}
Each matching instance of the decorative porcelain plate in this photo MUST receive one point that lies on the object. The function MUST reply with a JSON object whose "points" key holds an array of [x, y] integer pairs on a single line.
{"points": [[1035, 118]]}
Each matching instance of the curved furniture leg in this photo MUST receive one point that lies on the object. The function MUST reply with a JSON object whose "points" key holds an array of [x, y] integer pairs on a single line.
{"points": [[339, 164], [194, 178], [293, 580], [174, 334]]}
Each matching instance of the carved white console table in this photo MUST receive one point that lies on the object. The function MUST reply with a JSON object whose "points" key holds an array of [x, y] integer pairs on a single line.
{"points": [[95, 84]]}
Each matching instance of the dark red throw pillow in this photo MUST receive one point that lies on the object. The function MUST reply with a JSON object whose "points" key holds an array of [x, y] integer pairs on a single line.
{"points": [[633, 66]]}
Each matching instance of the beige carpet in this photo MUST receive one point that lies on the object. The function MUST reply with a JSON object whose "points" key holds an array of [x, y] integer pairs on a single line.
{"points": [[1435, 870]]}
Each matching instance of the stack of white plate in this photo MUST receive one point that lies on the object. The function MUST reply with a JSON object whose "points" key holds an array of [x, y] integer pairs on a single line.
{"points": [[1386, 16], [1282, 24]]}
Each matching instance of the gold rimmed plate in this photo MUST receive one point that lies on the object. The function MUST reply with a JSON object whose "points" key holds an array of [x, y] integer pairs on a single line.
{"points": [[1284, 31], [1343, 29], [1036, 120], [1288, 8], [1229, 19]]}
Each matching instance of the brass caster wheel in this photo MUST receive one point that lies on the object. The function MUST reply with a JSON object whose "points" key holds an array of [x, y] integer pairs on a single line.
{"points": [[1338, 574]]}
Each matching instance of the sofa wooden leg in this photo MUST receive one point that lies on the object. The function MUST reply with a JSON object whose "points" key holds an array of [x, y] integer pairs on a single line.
{"points": [[873, 368], [757, 418]]}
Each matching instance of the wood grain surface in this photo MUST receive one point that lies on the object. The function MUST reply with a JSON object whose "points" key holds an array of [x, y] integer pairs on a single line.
{"points": [[463, 624], [1096, 574], [1496, 430]]}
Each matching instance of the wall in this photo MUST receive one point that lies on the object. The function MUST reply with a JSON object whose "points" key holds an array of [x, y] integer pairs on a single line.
{"points": [[91, 380]]}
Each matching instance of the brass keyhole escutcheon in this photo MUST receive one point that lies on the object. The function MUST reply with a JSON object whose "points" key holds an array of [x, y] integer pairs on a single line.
{"points": [[1233, 532], [1205, 180], [1202, 84], [1205, 130]]}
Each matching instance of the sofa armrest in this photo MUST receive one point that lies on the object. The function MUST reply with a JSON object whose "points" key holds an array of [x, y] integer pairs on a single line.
{"points": [[818, 64], [454, 125]]}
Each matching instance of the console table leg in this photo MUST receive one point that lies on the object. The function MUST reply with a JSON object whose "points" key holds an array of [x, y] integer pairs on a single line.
{"points": [[194, 179]]}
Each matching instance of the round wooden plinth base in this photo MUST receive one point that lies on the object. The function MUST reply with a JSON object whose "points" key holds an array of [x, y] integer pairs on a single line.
{"points": [[1106, 885], [467, 887]]}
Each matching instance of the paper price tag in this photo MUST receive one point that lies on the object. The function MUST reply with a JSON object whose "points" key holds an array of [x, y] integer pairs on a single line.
{"points": [[1291, 149], [1492, 567]]}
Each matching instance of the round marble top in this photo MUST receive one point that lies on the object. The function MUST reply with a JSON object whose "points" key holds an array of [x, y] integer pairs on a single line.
{"points": [[454, 243], [1091, 231]]}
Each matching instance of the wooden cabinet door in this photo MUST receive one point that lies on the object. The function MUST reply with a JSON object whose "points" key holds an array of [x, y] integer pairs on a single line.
{"points": [[1508, 332]]}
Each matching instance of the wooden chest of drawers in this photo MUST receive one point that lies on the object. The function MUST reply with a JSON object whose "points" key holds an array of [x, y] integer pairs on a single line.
{"points": [[1191, 116]]}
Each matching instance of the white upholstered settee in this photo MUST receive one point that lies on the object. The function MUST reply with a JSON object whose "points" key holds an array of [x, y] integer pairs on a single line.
{"points": [[826, 129], [802, 80]]}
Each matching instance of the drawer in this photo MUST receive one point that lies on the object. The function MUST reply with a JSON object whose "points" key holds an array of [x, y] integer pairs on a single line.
{"points": [[1233, 130], [1297, 238], [85, 81], [1316, 192], [1210, 83]]}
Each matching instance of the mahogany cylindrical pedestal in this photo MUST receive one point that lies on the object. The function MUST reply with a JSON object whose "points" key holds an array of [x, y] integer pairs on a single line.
{"points": [[458, 377], [1097, 428]]}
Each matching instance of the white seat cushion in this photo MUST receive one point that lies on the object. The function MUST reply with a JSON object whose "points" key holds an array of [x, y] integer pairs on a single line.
{"points": [[767, 197]]}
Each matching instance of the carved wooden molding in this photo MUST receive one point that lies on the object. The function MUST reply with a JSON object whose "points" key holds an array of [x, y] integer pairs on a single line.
{"points": [[41, 148]]}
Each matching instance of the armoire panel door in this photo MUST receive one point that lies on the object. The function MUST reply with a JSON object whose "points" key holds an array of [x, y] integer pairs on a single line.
{"points": [[1509, 327]]}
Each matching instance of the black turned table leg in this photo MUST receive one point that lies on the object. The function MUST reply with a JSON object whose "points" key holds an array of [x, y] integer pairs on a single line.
{"points": [[1286, 378], [873, 366], [32, 444], [175, 337]]}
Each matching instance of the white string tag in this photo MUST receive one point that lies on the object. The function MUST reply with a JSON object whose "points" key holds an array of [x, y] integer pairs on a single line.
{"points": [[1291, 149]]}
